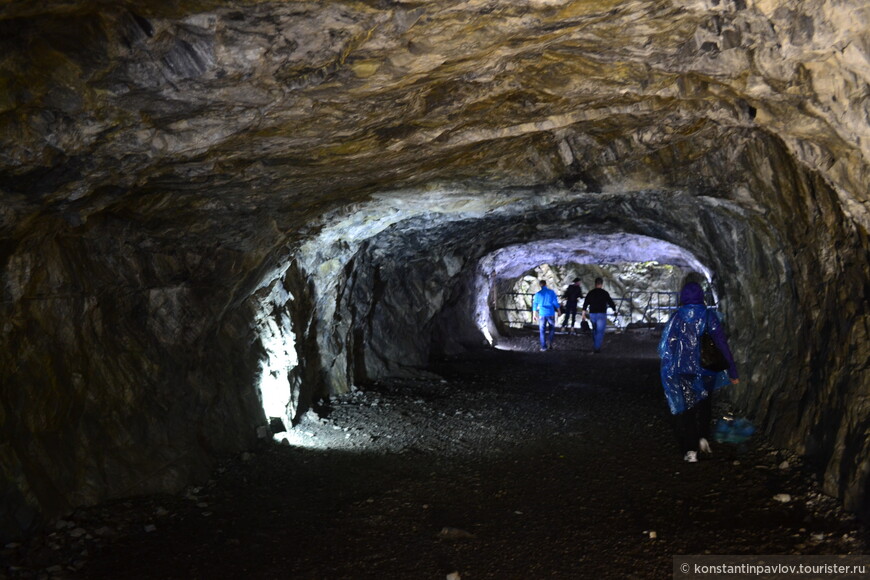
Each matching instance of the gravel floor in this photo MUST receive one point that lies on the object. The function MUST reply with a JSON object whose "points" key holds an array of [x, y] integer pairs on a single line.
{"points": [[504, 464]]}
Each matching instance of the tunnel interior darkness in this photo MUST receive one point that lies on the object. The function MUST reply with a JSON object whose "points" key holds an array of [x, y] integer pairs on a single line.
{"points": [[205, 230]]}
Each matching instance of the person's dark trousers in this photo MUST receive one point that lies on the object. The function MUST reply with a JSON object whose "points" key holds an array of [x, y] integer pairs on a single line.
{"points": [[694, 423], [572, 312]]}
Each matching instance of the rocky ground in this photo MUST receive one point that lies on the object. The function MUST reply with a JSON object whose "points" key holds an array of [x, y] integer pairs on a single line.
{"points": [[503, 464]]}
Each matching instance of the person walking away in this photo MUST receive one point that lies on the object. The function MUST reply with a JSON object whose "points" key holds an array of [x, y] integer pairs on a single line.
{"points": [[596, 303], [688, 386], [572, 294], [545, 308]]}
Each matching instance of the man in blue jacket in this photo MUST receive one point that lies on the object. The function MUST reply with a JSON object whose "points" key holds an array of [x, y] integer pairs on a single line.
{"points": [[545, 309]]}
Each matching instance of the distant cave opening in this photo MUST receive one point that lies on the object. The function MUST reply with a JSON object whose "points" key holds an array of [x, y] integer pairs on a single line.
{"points": [[644, 292], [642, 273]]}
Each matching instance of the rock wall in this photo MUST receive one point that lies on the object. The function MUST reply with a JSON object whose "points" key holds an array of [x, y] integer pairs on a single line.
{"points": [[121, 374]]}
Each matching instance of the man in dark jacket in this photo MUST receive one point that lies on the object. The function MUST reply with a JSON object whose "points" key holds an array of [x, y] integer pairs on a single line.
{"points": [[572, 294], [595, 305]]}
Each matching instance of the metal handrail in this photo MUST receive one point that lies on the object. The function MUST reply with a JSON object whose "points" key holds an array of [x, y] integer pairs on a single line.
{"points": [[656, 302]]}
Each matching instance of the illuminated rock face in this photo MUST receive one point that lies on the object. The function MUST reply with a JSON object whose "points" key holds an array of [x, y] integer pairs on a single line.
{"points": [[201, 202]]}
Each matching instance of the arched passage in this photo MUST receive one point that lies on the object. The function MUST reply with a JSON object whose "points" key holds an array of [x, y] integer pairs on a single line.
{"points": [[510, 262], [403, 279], [392, 283]]}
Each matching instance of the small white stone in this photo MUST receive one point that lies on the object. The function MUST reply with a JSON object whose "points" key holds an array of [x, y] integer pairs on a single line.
{"points": [[782, 497]]}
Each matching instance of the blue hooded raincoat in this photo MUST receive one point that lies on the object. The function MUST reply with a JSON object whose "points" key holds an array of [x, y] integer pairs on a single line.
{"points": [[684, 380]]}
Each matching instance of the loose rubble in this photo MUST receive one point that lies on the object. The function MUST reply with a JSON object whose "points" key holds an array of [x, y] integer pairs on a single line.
{"points": [[506, 464]]}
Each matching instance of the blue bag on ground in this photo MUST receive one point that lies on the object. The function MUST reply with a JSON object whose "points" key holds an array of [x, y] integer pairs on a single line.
{"points": [[730, 430]]}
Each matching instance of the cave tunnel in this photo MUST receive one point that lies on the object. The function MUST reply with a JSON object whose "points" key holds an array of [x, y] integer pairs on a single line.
{"points": [[444, 297], [214, 217]]}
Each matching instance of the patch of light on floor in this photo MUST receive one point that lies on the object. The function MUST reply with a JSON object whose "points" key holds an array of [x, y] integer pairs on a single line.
{"points": [[296, 438], [358, 443], [315, 432]]}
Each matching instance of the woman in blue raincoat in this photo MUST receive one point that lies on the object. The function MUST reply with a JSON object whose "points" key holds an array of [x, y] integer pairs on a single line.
{"points": [[688, 386]]}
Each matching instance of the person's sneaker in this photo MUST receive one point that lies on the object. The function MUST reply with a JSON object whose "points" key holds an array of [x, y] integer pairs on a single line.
{"points": [[704, 446], [543, 348], [691, 457]]}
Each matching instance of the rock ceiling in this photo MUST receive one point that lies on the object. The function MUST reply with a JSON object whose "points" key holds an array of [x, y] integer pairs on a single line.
{"points": [[218, 112]]}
